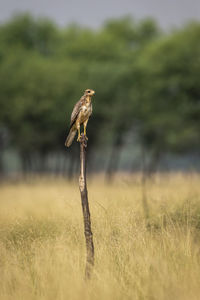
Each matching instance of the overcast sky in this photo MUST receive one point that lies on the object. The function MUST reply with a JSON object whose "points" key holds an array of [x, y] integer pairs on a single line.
{"points": [[168, 13]]}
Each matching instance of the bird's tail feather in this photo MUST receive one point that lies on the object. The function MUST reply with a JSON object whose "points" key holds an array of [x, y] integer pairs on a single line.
{"points": [[70, 137]]}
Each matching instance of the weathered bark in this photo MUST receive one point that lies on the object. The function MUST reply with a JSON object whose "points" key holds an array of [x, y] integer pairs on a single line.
{"points": [[85, 208]]}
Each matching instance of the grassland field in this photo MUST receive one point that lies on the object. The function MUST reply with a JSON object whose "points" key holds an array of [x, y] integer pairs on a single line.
{"points": [[42, 246]]}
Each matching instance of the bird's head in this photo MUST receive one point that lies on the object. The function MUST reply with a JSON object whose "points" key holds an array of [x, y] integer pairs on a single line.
{"points": [[89, 92]]}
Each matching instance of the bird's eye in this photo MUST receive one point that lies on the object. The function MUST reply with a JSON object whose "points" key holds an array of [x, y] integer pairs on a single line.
{"points": [[88, 92]]}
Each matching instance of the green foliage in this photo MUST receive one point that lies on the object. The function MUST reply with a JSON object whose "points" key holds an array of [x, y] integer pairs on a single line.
{"points": [[24, 32], [143, 78], [170, 97]]}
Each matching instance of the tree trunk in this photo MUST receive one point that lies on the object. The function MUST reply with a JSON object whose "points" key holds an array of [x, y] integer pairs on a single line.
{"points": [[85, 209], [153, 165], [1, 165], [114, 158]]}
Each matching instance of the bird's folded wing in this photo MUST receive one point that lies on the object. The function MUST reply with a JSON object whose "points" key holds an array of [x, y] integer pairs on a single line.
{"points": [[75, 112]]}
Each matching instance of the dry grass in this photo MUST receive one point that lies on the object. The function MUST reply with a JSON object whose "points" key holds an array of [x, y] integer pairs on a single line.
{"points": [[42, 248]]}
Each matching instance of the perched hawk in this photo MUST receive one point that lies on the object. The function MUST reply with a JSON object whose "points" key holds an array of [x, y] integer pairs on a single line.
{"points": [[80, 115]]}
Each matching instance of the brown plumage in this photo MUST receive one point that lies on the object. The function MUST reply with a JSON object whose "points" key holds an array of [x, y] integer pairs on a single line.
{"points": [[80, 115]]}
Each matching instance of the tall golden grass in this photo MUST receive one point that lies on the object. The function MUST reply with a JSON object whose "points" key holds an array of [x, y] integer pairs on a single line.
{"points": [[42, 246]]}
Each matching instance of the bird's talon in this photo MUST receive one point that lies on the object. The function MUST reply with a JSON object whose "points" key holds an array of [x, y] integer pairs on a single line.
{"points": [[86, 137], [79, 138]]}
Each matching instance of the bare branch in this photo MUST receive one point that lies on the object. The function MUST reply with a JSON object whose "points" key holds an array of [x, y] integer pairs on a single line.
{"points": [[85, 208]]}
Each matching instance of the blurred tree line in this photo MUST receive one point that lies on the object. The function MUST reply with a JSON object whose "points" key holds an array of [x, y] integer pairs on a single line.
{"points": [[146, 82]]}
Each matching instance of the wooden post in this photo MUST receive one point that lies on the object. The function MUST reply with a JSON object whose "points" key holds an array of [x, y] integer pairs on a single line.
{"points": [[85, 208]]}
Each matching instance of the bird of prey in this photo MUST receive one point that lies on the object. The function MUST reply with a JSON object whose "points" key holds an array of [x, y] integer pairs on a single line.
{"points": [[80, 115]]}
